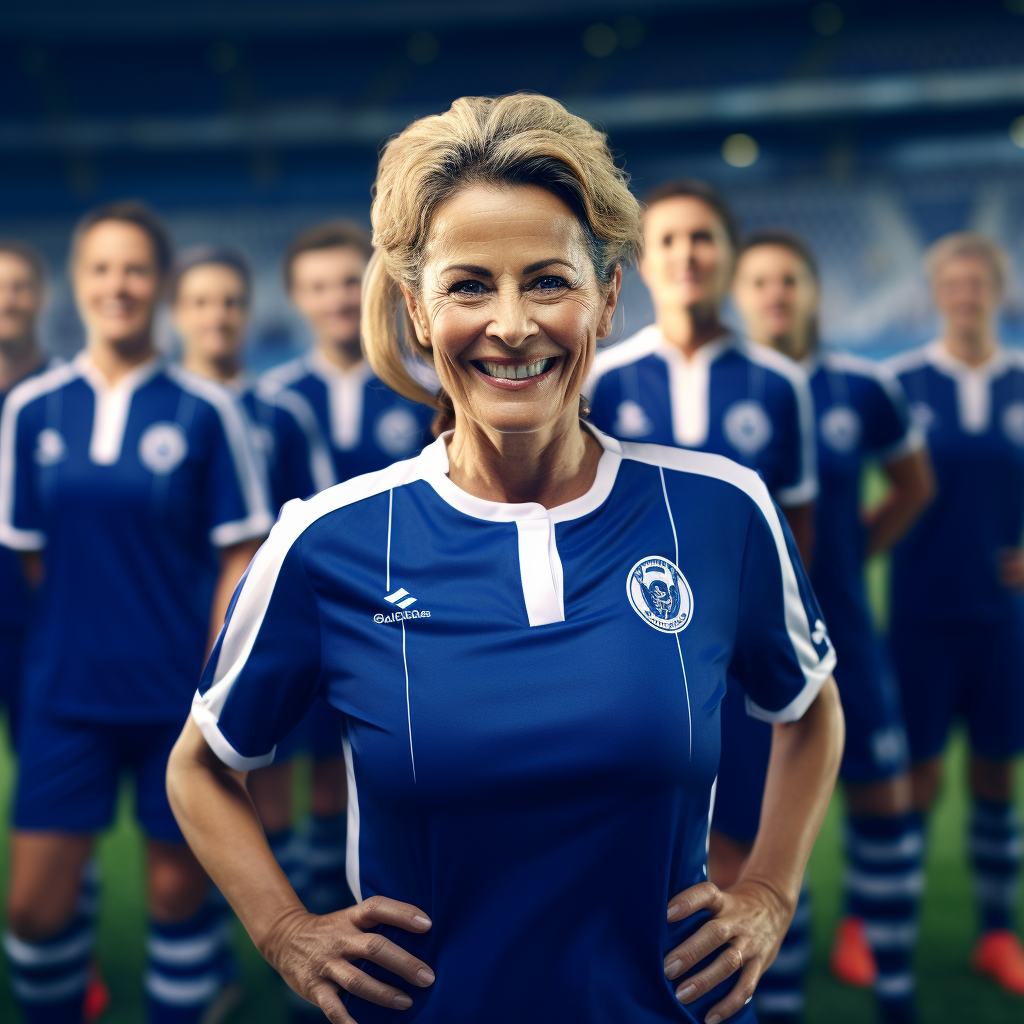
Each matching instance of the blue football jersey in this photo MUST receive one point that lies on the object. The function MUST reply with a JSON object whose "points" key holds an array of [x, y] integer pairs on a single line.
{"points": [[530, 699], [730, 397], [861, 414], [367, 425], [126, 488], [287, 434], [947, 567], [15, 599]]}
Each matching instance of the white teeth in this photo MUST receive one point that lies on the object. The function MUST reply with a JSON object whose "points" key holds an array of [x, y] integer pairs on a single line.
{"points": [[505, 372]]}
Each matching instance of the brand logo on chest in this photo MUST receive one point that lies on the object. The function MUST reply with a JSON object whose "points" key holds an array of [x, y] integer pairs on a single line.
{"points": [[659, 594], [402, 601]]}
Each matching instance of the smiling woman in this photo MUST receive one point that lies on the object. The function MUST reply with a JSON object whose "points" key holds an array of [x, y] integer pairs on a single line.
{"points": [[527, 628]]}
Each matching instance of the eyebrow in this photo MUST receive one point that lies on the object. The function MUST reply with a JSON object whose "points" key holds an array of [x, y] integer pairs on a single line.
{"points": [[469, 268]]}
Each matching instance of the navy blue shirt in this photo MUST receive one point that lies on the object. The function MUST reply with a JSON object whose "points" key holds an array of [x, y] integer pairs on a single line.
{"points": [[367, 425], [126, 488], [946, 570], [531, 701]]}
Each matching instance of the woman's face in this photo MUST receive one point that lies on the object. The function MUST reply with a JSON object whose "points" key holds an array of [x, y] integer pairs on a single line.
{"points": [[117, 282], [688, 260], [966, 293], [210, 311], [511, 307]]}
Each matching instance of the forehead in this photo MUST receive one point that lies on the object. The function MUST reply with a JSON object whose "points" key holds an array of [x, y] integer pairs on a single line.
{"points": [[769, 259], [116, 238], [15, 267], [680, 213], [965, 264], [339, 260], [493, 222], [210, 276]]}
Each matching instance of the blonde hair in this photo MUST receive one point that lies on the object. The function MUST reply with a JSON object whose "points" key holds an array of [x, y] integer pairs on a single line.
{"points": [[521, 139], [970, 243]]}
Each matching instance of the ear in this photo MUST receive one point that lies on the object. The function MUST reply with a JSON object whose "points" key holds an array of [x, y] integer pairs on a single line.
{"points": [[604, 325], [418, 322]]}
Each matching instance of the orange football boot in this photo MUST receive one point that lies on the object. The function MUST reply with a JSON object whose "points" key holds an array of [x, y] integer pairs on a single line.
{"points": [[999, 956], [852, 960]]}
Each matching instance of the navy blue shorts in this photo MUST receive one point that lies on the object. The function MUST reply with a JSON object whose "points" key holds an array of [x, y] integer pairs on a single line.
{"points": [[876, 741], [974, 673], [12, 647], [69, 774], [318, 734]]}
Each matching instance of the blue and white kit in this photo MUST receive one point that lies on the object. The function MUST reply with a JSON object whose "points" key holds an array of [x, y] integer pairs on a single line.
{"points": [[957, 633], [531, 700], [125, 487], [367, 425], [745, 402]]}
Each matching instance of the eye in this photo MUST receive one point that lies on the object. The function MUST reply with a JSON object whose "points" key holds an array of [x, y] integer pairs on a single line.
{"points": [[550, 282], [467, 287]]}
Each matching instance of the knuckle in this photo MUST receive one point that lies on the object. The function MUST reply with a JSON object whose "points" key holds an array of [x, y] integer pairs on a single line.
{"points": [[373, 904], [374, 945], [733, 958]]}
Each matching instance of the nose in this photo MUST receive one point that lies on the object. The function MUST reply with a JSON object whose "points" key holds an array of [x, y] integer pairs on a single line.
{"points": [[512, 324]]}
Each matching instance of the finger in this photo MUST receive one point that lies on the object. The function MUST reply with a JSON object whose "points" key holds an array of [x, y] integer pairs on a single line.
{"points": [[703, 942], [361, 985], [326, 997], [741, 994], [725, 965], [705, 896], [380, 910], [382, 951]]}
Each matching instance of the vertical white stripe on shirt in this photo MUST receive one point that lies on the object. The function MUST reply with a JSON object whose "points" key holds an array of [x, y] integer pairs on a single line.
{"points": [[112, 405], [344, 398], [352, 835], [540, 569]]}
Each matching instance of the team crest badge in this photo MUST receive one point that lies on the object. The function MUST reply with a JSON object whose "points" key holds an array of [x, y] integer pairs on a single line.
{"points": [[659, 594], [162, 448]]}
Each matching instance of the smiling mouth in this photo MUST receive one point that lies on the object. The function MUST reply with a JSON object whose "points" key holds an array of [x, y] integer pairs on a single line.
{"points": [[509, 371]]}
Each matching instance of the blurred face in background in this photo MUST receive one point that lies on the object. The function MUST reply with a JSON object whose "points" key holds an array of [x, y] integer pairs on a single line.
{"points": [[777, 297], [21, 299], [966, 293], [117, 283], [327, 287], [688, 259], [211, 311]]}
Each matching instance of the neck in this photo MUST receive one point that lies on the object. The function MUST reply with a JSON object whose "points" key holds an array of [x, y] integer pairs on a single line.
{"points": [[971, 347], [115, 360], [690, 327], [18, 358], [343, 354], [548, 467], [223, 370]]}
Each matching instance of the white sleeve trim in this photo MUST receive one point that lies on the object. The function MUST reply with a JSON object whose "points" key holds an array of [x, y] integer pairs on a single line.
{"points": [[220, 746], [815, 670], [256, 525], [804, 492]]}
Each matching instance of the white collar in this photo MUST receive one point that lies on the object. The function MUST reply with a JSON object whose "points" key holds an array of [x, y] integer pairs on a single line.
{"points": [[328, 372], [705, 355], [940, 357], [434, 460], [129, 383]]}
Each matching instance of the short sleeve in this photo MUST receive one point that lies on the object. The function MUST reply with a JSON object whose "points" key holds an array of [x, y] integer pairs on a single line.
{"points": [[21, 523], [264, 671], [888, 432], [797, 480], [236, 488], [783, 653]]}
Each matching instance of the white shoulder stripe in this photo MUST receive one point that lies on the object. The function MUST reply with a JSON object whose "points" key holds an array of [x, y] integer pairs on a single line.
{"points": [[906, 362], [321, 465], [642, 344], [20, 396], [287, 373], [241, 631], [815, 670], [251, 473]]}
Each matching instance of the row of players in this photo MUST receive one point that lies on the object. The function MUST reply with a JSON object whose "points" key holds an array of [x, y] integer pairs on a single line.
{"points": [[687, 380]]}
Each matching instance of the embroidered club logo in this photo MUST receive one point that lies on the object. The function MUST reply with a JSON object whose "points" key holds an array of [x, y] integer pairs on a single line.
{"points": [[50, 447], [659, 594], [162, 448], [397, 431], [747, 427], [841, 429], [1013, 422]]}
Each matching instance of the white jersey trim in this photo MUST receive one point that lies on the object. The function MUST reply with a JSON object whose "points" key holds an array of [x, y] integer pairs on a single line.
{"points": [[20, 396], [321, 466], [816, 671], [344, 398], [250, 471]]}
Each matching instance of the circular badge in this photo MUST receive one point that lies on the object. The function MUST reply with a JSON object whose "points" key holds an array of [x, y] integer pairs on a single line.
{"points": [[397, 431], [631, 420], [162, 448], [841, 429], [747, 427], [50, 447], [659, 594], [1013, 422], [922, 415]]}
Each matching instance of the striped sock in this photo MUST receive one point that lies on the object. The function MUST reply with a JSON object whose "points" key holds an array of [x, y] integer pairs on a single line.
{"points": [[884, 885], [996, 851], [780, 992], [327, 889], [189, 964]]}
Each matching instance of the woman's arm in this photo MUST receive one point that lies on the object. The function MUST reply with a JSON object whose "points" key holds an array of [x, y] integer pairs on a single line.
{"points": [[751, 918], [912, 488], [313, 954], [233, 562]]}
